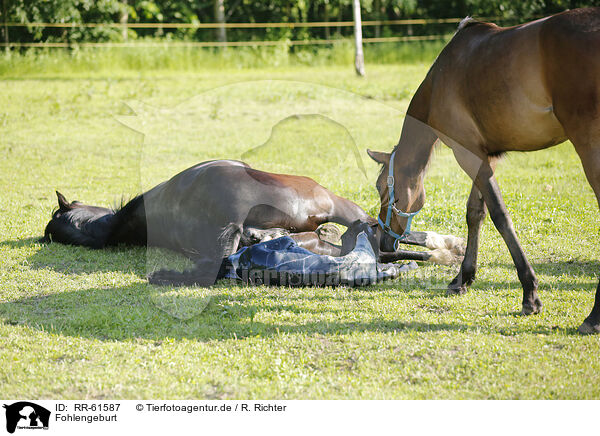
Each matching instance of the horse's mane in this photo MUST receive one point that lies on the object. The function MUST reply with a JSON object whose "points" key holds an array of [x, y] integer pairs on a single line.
{"points": [[126, 206], [467, 22], [129, 223]]}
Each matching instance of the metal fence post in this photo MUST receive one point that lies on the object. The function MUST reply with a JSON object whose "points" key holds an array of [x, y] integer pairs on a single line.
{"points": [[359, 58], [5, 19], [123, 19]]}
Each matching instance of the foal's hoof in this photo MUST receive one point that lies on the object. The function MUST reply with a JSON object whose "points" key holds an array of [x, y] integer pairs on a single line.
{"points": [[448, 242], [588, 329], [530, 308], [329, 232], [443, 256]]}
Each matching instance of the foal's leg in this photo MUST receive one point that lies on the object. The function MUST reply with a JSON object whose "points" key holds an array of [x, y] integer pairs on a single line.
{"points": [[475, 215], [487, 185], [433, 241], [440, 256], [312, 242], [253, 235]]}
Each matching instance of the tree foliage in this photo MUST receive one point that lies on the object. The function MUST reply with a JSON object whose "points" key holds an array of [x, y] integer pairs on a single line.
{"points": [[202, 11]]}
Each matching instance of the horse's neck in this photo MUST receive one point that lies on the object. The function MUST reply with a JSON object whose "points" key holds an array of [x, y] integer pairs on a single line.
{"points": [[417, 138], [415, 148], [129, 224]]}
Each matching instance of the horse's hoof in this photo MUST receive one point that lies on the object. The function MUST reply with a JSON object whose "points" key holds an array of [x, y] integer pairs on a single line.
{"points": [[329, 232], [460, 283], [448, 242], [457, 246], [456, 289], [588, 329], [157, 279], [442, 256], [531, 308], [164, 278]]}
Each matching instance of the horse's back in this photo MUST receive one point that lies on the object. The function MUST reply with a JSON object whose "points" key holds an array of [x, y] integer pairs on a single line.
{"points": [[571, 44], [576, 22], [231, 191], [488, 92], [511, 84]]}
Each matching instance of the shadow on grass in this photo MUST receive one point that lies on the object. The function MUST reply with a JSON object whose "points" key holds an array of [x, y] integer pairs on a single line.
{"points": [[143, 312], [69, 259], [20, 243], [139, 310], [75, 260], [577, 268]]}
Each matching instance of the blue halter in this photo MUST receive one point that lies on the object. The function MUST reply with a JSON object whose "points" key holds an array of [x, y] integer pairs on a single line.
{"points": [[386, 226]]}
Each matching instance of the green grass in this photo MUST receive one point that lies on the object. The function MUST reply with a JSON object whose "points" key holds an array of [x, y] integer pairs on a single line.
{"points": [[158, 56], [77, 323]]}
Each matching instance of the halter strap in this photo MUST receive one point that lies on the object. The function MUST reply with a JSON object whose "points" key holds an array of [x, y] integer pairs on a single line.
{"points": [[391, 208]]}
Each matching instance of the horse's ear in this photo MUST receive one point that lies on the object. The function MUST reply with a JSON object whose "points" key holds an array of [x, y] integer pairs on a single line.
{"points": [[379, 156], [63, 204]]}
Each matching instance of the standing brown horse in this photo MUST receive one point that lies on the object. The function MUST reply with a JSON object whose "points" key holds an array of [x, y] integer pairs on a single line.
{"points": [[493, 90]]}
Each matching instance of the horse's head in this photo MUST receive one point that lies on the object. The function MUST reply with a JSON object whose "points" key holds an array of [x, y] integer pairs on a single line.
{"points": [[399, 190], [78, 224], [349, 236], [383, 159]]}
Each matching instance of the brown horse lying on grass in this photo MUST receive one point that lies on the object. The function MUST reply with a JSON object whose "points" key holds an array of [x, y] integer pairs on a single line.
{"points": [[209, 211], [493, 90]]}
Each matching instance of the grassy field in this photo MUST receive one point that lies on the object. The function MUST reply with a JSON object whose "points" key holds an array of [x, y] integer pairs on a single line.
{"points": [[77, 323]]}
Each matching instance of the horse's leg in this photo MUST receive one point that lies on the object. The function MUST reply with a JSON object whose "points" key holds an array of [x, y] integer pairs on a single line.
{"points": [[440, 256], [475, 216], [487, 185], [345, 212], [592, 322], [253, 235], [433, 240], [590, 159], [312, 242], [393, 256], [214, 245]]}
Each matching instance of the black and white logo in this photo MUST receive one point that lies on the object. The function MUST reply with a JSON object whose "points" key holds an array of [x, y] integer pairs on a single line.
{"points": [[26, 415]]}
